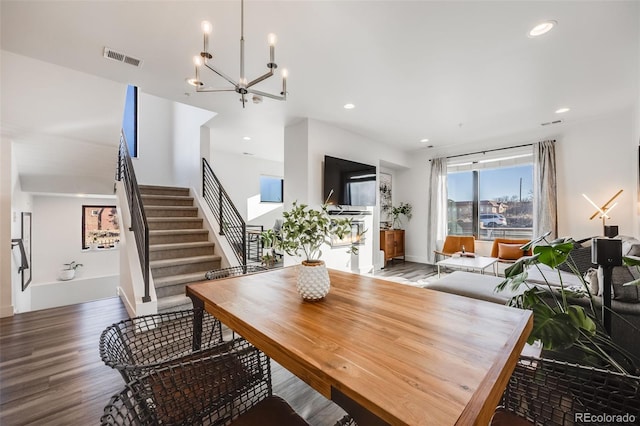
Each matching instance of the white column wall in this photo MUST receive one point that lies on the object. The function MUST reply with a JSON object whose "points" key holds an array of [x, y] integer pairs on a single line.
{"points": [[168, 142]]}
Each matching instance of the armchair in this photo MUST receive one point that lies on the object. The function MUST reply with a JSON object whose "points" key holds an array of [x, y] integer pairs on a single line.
{"points": [[507, 250], [455, 243]]}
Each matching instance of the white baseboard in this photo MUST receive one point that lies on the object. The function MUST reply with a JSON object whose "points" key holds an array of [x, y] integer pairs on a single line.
{"points": [[6, 311], [418, 259]]}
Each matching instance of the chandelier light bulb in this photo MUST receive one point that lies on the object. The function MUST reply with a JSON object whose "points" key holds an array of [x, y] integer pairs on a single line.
{"points": [[206, 27], [273, 39], [197, 61], [285, 73]]}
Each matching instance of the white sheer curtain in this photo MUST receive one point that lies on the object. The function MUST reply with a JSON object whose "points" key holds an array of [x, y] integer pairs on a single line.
{"points": [[437, 208], [545, 203]]}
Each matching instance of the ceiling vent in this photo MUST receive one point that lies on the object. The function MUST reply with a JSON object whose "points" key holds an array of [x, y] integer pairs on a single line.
{"points": [[121, 57], [548, 123]]}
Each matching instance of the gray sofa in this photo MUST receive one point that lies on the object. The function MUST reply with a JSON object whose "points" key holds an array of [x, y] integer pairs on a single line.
{"points": [[625, 302]]}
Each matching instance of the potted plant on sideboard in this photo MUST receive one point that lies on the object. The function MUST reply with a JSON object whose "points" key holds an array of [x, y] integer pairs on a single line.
{"points": [[404, 209], [304, 231]]}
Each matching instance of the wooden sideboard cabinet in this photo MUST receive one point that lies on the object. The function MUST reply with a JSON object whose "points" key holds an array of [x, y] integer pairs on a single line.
{"points": [[392, 243]]}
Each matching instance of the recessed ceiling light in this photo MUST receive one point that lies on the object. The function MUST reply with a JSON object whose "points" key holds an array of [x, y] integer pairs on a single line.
{"points": [[424, 140], [561, 110], [247, 138], [349, 106], [542, 28]]}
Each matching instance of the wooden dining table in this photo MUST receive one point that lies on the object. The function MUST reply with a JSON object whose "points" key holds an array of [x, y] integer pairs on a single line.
{"points": [[388, 353]]}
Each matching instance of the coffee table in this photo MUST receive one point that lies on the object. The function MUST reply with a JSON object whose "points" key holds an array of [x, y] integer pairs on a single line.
{"points": [[478, 263]]}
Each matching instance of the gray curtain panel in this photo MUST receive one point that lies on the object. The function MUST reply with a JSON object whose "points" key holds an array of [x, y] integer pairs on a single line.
{"points": [[437, 208], [545, 203]]}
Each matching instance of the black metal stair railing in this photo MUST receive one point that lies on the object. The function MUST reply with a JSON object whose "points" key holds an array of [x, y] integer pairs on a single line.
{"points": [[139, 225], [231, 224]]}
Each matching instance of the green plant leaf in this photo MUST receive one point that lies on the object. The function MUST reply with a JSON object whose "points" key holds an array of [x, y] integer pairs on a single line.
{"points": [[555, 253], [631, 261], [581, 320], [556, 330], [630, 283]]}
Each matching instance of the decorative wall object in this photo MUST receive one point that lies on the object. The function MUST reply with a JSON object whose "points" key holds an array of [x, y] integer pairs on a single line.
{"points": [[385, 195], [100, 227], [27, 273]]}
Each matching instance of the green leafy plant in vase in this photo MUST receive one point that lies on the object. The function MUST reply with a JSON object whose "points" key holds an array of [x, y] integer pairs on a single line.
{"points": [[404, 209], [304, 232], [268, 239], [566, 329]]}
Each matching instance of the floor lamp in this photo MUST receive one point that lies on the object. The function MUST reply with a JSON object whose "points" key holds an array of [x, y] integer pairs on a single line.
{"points": [[606, 252]]}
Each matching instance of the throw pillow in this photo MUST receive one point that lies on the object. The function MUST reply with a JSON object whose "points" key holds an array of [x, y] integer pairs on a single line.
{"points": [[591, 278], [580, 257], [509, 251], [620, 276]]}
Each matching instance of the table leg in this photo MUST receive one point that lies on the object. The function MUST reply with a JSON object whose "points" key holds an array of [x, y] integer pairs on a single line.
{"points": [[361, 415], [198, 312]]}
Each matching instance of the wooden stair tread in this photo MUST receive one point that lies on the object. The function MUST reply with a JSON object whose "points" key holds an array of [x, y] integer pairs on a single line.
{"points": [[177, 231], [165, 304], [161, 187], [173, 246], [183, 261], [179, 279]]}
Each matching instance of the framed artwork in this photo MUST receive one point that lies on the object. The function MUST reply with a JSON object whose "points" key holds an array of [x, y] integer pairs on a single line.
{"points": [[385, 194], [26, 242], [100, 227]]}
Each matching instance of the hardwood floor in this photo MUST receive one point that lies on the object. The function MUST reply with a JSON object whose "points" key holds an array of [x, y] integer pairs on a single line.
{"points": [[51, 372]]}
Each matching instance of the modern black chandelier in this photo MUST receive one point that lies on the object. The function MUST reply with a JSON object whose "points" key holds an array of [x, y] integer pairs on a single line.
{"points": [[241, 86]]}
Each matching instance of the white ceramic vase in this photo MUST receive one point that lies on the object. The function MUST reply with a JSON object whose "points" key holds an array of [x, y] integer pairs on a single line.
{"points": [[313, 280], [66, 274]]}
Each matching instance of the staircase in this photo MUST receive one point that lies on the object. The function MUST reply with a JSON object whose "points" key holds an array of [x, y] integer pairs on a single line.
{"points": [[179, 248]]}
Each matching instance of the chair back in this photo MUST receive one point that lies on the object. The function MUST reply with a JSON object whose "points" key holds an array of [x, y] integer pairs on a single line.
{"points": [[208, 390], [454, 243], [138, 345], [495, 248], [549, 392]]}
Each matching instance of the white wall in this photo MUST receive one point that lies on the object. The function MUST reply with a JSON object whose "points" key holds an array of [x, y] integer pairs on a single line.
{"points": [[306, 144], [6, 258], [168, 142], [597, 158], [57, 239], [412, 185], [20, 202], [240, 176]]}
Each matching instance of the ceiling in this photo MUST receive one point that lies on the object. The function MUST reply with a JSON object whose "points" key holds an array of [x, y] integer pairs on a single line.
{"points": [[454, 72]]}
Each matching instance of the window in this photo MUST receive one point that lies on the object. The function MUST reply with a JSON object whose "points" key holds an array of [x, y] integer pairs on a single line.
{"points": [[491, 196], [271, 189], [130, 120], [100, 227]]}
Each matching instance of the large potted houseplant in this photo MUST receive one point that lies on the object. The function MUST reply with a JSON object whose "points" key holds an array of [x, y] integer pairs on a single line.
{"points": [[567, 330], [304, 232]]}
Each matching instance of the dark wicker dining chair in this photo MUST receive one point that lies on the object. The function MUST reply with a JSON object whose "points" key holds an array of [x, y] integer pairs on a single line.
{"points": [[141, 344], [549, 392], [233, 387]]}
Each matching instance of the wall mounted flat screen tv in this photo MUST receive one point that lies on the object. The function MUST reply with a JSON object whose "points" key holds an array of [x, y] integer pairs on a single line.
{"points": [[353, 184]]}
